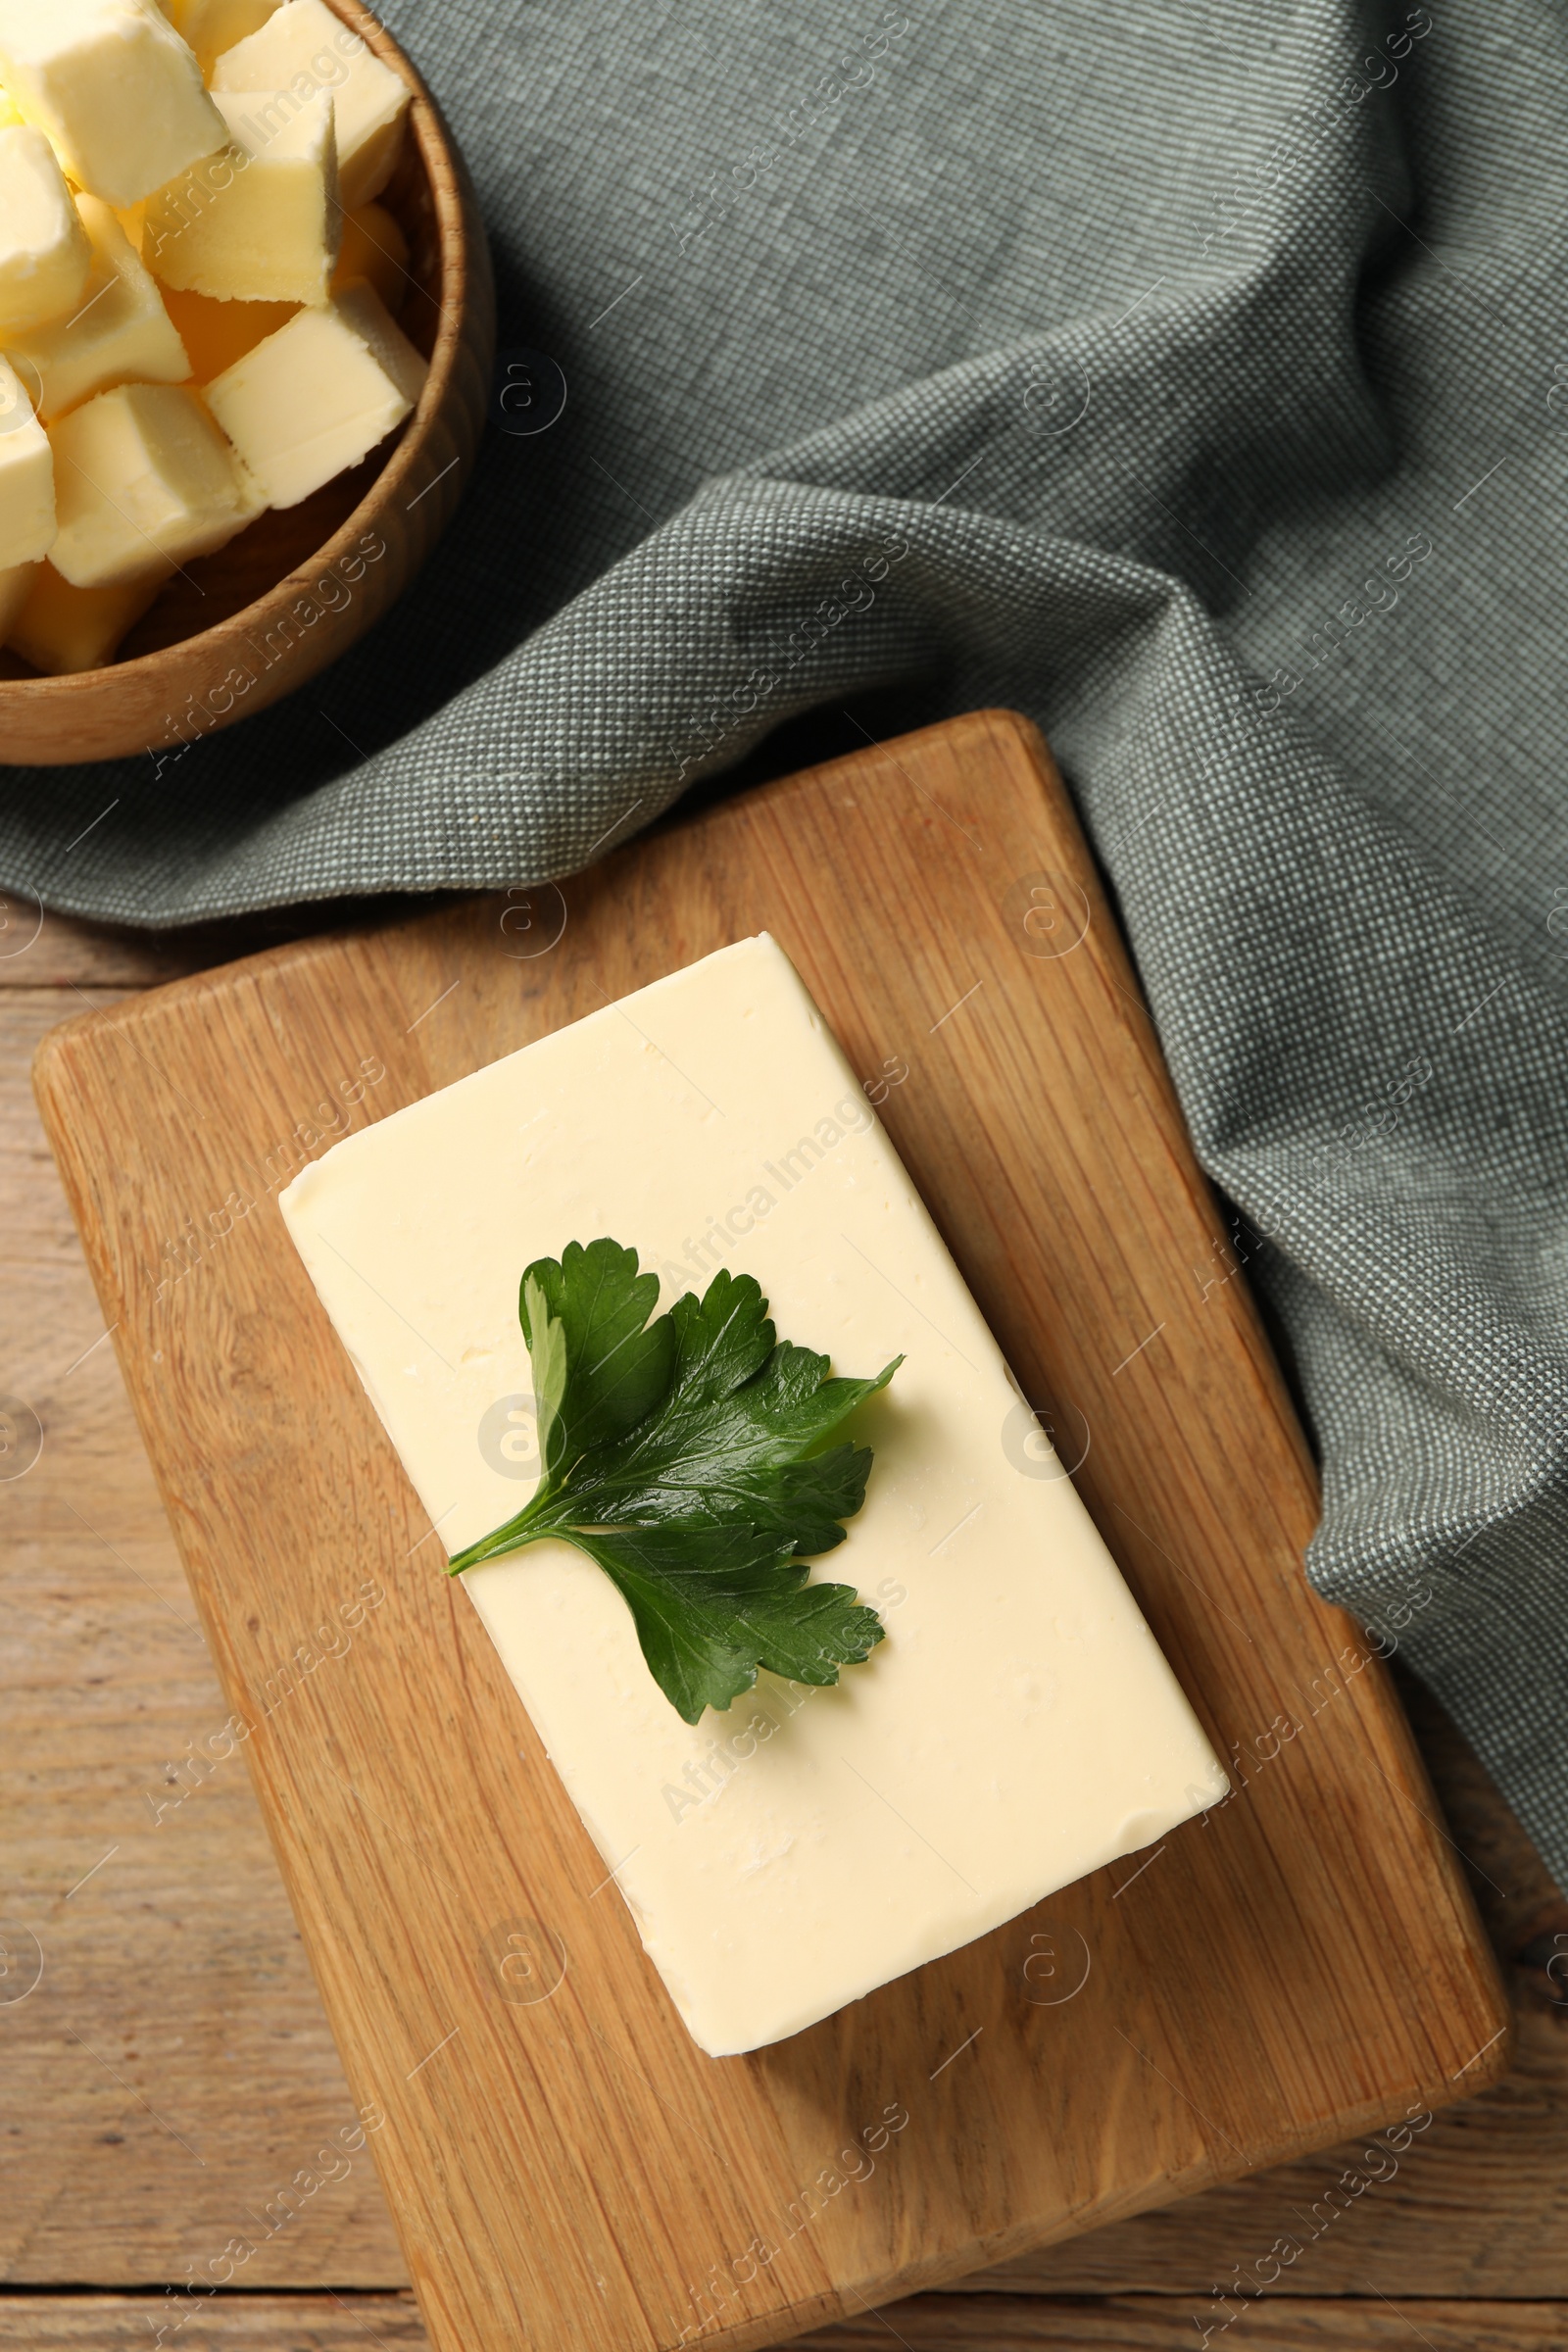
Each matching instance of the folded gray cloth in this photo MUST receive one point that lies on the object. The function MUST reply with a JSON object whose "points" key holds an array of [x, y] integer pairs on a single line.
{"points": [[1186, 377]]}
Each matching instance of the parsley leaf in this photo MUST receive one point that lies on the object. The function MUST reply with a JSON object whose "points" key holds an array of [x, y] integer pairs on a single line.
{"points": [[688, 1458]]}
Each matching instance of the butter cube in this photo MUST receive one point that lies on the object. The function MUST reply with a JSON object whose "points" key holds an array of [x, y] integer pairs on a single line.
{"points": [[213, 25], [145, 480], [118, 91], [217, 334], [258, 222], [305, 48], [44, 253], [61, 629], [120, 329], [27, 477], [319, 395], [375, 247], [1016, 1728]]}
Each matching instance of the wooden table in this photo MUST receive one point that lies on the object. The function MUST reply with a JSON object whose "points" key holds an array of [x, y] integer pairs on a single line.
{"points": [[166, 2071]]}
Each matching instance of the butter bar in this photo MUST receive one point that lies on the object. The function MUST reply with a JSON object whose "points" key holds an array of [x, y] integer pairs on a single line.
{"points": [[304, 47], [118, 330], [145, 480], [61, 630], [319, 394], [117, 90], [1018, 1727], [27, 477], [213, 25], [44, 253], [258, 222]]}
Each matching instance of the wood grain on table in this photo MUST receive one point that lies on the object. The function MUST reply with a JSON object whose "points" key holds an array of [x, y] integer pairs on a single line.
{"points": [[171, 2075]]}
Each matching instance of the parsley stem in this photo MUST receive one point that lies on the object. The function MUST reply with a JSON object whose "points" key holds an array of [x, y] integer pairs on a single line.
{"points": [[517, 1532]]}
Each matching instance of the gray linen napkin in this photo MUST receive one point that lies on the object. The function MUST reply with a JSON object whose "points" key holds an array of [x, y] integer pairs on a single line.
{"points": [[1209, 364]]}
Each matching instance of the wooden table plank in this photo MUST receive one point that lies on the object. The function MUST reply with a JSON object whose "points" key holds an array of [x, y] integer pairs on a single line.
{"points": [[1154, 2323], [322, 2323], [40, 949], [172, 2070], [227, 2322]]}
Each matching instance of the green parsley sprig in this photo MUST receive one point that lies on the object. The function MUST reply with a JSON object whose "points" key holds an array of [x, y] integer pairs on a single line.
{"points": [[686, 1457]]}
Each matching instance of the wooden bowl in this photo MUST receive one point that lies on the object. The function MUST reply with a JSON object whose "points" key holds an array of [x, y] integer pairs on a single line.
{"points": [[240, 628]]}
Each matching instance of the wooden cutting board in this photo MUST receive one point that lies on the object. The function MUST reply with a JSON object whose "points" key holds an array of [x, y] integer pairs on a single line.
{"points": [[565, 2168]]}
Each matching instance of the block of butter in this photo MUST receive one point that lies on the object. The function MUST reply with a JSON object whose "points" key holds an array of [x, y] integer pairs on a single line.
{"points": [[319, 394], [120, 329], [1016, 1727], [258, 222], [44, 253], [144, 480], [28, 520], [303, 46], [114, 86]]}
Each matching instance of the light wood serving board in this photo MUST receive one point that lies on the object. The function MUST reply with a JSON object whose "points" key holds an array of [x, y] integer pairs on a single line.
{"points": [[565, 2168]]}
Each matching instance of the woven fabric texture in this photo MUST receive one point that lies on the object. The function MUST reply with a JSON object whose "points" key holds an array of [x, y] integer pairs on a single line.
{"points": [[1191, 378]]}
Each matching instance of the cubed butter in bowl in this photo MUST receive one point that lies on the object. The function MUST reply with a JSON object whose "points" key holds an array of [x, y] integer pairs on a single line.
{"points": [[118, 331], [44, 253], [177, 490], [319, 395], [114, 88], [301, 44], [28, 523], [247, 329], [258, 221]]}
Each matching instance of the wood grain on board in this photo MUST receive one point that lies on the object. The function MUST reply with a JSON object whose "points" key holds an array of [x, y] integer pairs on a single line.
{"points": [[1304, 1964]]}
